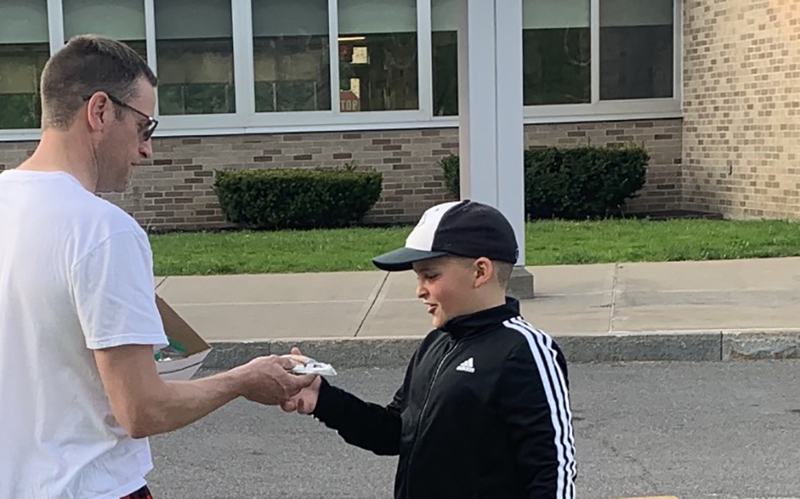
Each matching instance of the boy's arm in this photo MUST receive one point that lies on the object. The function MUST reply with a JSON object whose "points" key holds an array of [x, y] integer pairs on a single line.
{"points": [[363, 424], [534, 403]]}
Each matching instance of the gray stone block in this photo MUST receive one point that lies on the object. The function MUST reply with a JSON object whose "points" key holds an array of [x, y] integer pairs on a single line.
{"points": [[521, 284], [347, 353], [226, 355], [396, 352], [641, 347], [764, 345]]}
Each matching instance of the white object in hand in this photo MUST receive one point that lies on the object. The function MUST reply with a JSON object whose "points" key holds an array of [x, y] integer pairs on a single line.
{"points": [[310, 366], [314, 367]]}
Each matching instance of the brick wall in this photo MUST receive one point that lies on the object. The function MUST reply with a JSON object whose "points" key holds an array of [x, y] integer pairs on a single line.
{"points": [[14, 153], [175, 189], [741, 102], [661, 138]]}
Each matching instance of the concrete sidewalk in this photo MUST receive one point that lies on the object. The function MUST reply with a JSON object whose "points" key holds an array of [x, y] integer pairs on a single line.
{"points": [[634, 311]]}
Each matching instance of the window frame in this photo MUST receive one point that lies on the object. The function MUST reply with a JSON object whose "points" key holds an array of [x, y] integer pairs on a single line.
{"points": [[247, 120], [621, 109]]}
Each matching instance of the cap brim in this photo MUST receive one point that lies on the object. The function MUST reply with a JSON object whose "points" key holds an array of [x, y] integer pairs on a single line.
{"points": [[403, 258]]}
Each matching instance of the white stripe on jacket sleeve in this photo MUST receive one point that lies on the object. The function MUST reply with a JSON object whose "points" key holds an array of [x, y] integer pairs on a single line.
{"points": [[555, 388]]}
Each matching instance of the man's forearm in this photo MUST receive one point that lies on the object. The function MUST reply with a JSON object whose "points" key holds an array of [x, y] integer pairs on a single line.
{"points": [[145, 404], [181, 403]]}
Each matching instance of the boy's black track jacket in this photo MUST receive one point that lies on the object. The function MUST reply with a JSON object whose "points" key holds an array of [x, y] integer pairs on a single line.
{"points": [[483, 413]]}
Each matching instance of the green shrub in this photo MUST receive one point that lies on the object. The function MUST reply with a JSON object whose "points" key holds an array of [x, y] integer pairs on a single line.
{"points": [[573, 183], [451, 178], [296, 199]]}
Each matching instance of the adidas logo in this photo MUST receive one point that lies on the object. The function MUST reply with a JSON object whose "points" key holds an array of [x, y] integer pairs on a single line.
{"points": [[467, 366]]}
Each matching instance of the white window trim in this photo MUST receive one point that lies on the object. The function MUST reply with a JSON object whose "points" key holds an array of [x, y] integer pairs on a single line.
{"points": [[425, 57], [594, 40], [55, 24], [150, 38], [333, 45], [247, 121], [436, 122], [678, 64], [243, 62]]}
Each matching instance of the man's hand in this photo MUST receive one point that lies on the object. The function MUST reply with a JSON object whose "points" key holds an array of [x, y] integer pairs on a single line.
{"points": [[267, 380], [305, 401]]}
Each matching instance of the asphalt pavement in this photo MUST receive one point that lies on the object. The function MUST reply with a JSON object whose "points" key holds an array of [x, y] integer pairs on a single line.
{"points": [[710, 430]]}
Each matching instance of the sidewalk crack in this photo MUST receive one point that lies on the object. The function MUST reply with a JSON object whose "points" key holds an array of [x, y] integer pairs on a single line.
{"points": [[376, 296], [613, 299]]}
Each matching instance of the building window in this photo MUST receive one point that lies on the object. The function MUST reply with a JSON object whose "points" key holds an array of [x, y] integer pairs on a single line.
{"points": [[636, 49], [24, 50], [556, 52], [444, 23], [378, 55], [292, 55], [121, 20], [194, 52]]}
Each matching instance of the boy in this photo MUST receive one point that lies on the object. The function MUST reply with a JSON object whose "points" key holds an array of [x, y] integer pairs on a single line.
{"points": [[484, 410]]}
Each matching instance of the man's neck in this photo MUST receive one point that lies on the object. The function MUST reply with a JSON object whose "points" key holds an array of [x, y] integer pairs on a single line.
{"points": [[62, 151]]}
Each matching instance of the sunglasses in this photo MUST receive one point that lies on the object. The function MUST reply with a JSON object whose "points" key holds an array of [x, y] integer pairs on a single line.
{"points": [[152, 123]]}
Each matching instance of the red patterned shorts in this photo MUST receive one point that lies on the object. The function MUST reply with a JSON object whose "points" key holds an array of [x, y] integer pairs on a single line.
{"points": [[143, 493]]}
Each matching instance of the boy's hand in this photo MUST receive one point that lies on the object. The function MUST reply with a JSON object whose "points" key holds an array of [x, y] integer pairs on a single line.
{"points": [[306, 401]]}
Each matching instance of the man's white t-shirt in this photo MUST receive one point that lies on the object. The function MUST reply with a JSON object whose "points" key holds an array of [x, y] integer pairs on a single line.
{"points": [[76, 275]]}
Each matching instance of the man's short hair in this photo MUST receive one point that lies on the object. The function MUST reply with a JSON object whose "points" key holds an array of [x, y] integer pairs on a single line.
{"points": [[85, 65]]}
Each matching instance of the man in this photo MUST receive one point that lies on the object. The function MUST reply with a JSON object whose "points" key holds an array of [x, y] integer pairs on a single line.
{"points": [[78, 319]]}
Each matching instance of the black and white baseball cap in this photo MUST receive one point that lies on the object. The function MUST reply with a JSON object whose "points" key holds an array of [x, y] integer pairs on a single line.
{"points": [[461, 228]]}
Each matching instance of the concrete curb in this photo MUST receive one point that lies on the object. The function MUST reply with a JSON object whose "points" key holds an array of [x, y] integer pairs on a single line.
{"points": [[690, 346]]}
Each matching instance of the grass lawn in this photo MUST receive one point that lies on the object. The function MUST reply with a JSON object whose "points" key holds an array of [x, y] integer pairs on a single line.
{"points": [[547, 243]]}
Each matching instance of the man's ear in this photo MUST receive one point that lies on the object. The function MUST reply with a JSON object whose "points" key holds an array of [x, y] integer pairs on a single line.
{"points": [[483, 271], [98, 111]]}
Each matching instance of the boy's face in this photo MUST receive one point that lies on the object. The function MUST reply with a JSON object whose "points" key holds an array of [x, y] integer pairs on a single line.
{"points": [[446, 286]]}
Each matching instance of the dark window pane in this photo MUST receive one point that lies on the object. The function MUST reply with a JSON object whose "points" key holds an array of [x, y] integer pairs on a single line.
{"points": [[378, 72], [291, 53], [140, 47], [20, 71], [636, 62], [556, 66], [194, 50], [24, 50], [556, 52], [378, 55], [445, 73], [292, 73], [196, 98], [636, 49], [121, 20]]}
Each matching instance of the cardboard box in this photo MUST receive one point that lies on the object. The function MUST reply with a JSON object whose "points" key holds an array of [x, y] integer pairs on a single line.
{"points": [[179, 330]]}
